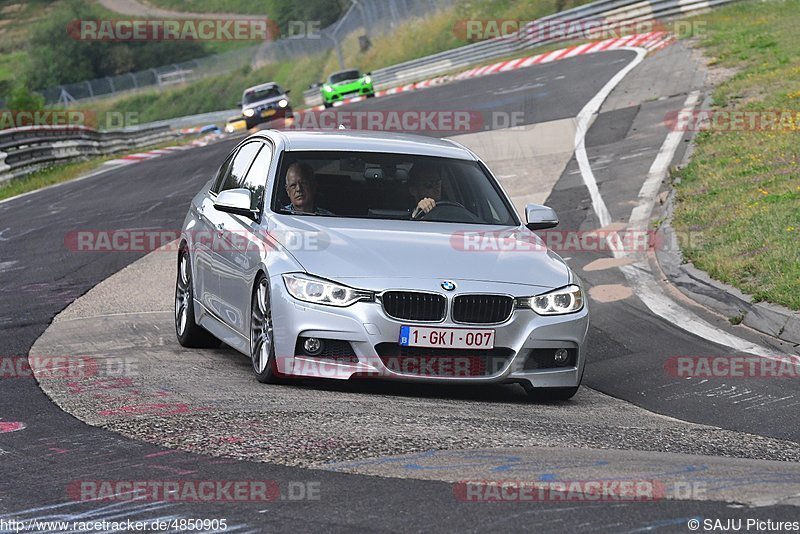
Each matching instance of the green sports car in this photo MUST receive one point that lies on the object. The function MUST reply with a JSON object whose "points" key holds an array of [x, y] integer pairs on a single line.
{"points": [[344, 84]]}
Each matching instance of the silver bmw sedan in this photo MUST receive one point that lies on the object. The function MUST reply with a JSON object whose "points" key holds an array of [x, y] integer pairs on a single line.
{"points": [[350, 254]]}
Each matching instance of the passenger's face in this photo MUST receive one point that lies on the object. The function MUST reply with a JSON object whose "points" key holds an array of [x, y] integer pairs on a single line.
{"points": [[301, 190]]}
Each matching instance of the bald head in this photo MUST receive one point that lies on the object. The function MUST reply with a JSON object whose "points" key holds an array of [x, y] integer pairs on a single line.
{"points": [[301, 186]]}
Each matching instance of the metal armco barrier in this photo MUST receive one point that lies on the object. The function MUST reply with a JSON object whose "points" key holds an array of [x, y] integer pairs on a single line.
{"points": [[604, 15], [27, 149]]}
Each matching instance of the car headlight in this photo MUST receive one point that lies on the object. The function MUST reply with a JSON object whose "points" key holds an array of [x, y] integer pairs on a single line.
{"points": [[249, 112], [327, 88], [319, 291], [565, 300], [282, 103], [367, 79]]}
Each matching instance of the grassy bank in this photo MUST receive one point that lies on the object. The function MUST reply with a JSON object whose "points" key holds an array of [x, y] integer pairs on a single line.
{"points": [[741, 192], [415, 38]]}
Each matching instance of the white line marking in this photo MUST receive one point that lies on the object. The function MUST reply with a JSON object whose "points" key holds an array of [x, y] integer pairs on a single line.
{"points": [[638, 275], [584, 120]]}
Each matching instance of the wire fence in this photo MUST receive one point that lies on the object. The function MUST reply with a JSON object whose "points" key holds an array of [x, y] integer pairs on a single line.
{"points": [[367, 17]]}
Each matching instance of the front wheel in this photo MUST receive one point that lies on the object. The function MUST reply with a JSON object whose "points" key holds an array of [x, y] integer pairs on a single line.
{"points": [[189, 334], [262, 336]]}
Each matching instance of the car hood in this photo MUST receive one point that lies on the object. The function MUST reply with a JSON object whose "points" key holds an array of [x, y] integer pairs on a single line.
{"points": [[341, 249], [347, 83]]}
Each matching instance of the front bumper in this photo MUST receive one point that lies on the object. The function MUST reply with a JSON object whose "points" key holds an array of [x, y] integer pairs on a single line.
{"points": [[267, 115], [335, 96], [365, 326]]}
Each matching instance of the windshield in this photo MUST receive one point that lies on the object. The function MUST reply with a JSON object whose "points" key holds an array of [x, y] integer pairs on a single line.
{"points": [[343, 76], [257, 95], [389, 186]]}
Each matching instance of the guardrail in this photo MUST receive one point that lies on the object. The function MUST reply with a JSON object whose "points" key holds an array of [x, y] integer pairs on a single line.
{"points": [[604, 15], [29, 148]]}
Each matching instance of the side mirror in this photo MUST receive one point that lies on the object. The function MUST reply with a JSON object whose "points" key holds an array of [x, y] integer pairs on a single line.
{"points": [[236, 201], [539, 217], [286, 92]]}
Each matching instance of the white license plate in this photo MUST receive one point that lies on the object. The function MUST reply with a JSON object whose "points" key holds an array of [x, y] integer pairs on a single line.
{"points": [[449, 338]]}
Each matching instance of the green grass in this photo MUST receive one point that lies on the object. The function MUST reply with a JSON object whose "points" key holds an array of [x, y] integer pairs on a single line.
{"points": [[415, 38], [244, 7], [741, 191], [435, 33], [215, 93]]}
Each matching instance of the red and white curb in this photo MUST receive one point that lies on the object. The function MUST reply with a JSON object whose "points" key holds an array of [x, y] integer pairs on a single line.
{"points": [[651, 41], [150, 154]]}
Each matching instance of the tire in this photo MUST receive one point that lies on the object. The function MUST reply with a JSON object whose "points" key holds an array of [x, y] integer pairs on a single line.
{"points": [[551, 394], [262, 338], [370, 95], [327, 104], [189, 334]]}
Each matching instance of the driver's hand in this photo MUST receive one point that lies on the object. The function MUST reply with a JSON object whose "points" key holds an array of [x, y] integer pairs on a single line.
{"points": [[426, 205]]}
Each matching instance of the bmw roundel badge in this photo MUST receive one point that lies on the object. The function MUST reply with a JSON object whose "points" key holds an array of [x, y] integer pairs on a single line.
{"points": [[448, 285]]}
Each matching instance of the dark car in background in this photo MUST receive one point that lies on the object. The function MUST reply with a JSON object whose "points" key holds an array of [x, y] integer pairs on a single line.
{"points": [[264, 103]]}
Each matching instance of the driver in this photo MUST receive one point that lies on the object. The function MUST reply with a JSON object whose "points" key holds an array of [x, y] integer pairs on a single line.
{"points": [[301, 186], [425, 185]]}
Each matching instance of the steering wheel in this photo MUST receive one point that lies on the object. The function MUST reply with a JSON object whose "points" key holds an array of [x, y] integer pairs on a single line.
{"points": [[441, 206]]}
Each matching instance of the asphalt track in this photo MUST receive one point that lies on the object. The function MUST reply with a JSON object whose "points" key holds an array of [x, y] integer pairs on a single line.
{"points": [[629, 345]]}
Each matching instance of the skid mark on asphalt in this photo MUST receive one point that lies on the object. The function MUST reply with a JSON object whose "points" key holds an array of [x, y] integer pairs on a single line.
{"points": [[735, 394]]}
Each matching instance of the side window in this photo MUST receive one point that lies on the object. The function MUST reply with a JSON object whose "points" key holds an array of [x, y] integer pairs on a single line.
{"points": [[235, 176], [256, 180], [222, 173]]}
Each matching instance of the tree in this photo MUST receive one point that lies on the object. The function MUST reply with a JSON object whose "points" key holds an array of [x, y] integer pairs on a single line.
{"points": [[21, 99]]}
